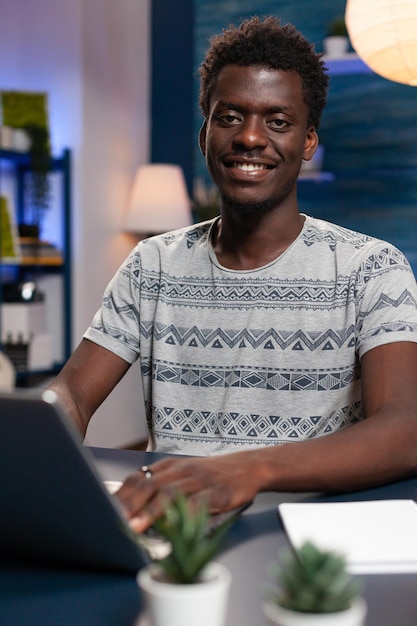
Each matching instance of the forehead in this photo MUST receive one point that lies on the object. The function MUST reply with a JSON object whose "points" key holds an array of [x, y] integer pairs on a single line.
{"points": [[255, 84]]}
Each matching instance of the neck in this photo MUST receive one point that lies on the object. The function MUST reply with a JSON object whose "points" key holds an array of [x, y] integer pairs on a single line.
{"points": [[252, 242]]}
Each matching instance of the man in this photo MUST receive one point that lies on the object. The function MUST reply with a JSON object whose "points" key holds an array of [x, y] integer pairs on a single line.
{"points": [[280, 348]]}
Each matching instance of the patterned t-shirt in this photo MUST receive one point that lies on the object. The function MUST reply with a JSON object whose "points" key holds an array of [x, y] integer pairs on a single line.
{"points": [[238, 359]]}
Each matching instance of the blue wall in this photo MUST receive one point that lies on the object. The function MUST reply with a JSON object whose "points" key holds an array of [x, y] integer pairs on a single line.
{"points": [[172, 95]]}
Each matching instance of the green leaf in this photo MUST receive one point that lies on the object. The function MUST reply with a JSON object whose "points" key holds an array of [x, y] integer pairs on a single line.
{"points": [[187, 530]]}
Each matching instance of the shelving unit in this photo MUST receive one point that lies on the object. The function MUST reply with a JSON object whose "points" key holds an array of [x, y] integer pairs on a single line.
{"points": [[35, 266]]}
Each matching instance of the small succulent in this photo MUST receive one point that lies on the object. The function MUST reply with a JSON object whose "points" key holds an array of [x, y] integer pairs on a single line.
{"points": [[337, 27], [314, 581], [193, 543]]}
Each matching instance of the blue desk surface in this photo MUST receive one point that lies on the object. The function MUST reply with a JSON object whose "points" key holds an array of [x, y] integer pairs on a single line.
{"points": [[52, 597]]}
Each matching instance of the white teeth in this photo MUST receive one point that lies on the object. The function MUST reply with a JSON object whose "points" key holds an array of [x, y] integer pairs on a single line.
{"points": [[250, 167]]}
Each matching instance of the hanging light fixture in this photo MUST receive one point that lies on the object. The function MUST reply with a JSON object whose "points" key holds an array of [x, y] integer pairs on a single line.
{"points": [[384, 35]]}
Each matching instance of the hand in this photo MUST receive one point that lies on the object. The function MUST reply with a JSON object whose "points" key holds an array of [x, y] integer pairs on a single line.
{"points": [[222, 482]]}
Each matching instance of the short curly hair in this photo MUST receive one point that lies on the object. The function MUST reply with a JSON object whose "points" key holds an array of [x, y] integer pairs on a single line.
{"points": [[269, 44]]}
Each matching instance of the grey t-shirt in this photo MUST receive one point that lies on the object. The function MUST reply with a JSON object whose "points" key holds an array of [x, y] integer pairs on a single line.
{"points": [[238, 359]]}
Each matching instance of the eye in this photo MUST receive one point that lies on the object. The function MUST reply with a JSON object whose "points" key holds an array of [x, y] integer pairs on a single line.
{"points": [[229, 118], [278, 124]]}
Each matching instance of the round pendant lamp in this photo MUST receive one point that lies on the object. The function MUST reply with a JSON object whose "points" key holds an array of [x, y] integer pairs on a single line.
{"points": [[384, 35]]}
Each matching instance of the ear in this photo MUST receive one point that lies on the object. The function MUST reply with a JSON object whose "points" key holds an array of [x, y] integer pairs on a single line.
{"points": [[202, 137], [311, 143]]}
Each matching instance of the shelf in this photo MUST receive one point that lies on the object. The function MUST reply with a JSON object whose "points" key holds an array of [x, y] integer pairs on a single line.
{"points": [[348, 64], [316, 177], [41, 261], [24, 159], [35, 260]]}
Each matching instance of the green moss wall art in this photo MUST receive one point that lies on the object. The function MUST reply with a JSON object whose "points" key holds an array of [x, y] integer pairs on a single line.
{"points": [[9, 249], [29, 111]]}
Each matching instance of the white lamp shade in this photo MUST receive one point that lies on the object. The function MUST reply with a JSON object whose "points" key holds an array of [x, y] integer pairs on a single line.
{"points": [[384, 35], [158, 200]]}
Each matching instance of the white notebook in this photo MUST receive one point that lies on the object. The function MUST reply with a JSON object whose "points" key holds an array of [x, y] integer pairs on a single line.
{"points": [[376, 537]]}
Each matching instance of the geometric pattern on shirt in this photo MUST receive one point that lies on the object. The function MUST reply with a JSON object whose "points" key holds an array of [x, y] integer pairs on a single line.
{"points": [[312, 236], [248, 378], [269, 339], [385, 302], [226, 292], [384, 259], [235, 427]]}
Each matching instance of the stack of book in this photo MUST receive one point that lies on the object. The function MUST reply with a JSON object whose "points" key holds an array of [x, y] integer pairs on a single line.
{"points": [[34, 250]]}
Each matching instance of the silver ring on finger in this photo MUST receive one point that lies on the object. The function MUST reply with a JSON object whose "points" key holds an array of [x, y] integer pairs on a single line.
{"points": [[147, 472]]}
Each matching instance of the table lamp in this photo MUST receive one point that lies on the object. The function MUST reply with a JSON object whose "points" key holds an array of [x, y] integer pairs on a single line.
{"points": [[158, 200]]}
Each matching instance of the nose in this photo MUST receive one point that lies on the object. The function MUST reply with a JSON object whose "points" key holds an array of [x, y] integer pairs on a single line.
{"points": [[251, 134]]}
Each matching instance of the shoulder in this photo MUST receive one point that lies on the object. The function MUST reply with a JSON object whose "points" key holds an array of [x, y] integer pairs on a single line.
{"points": [[183, 239], [171, 252], [321, 231], [363, 249]]}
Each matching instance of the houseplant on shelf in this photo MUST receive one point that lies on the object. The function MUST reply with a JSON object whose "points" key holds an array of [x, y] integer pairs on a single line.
{"points": [[187, 587], [27, 113], [206, 201], [314, 588], [336, 41]]}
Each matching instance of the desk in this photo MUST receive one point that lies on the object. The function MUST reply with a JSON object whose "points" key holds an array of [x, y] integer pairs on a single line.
{"points": [[46, 597]]}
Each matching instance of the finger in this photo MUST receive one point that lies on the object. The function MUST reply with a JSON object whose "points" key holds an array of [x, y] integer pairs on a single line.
{"points": [[136, 491], [145, 517]]}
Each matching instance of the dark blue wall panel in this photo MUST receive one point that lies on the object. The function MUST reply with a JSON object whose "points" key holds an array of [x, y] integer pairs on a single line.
{"points": [[172, 106]]}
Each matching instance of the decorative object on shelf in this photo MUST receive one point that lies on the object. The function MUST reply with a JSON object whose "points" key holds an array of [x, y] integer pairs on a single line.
{"points": [[6, 138], [9, 244], [24, 333], [27, 114], [383, 33], [314, 589], [187, 588], [336, 42], [158, 200], [7, 373], [206, 200]]}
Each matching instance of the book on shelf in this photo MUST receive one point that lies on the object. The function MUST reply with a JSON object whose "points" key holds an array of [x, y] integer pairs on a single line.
{"points": [[34, 250]]}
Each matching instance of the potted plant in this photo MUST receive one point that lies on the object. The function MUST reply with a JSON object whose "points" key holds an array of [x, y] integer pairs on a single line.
{"points": [[26, 114], [336, 41], [314, 588], [206, 201], [187, 587]]}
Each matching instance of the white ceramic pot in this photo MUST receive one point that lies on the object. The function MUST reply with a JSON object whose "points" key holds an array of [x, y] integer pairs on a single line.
{"points": [[335, 47], [200, 604], [354, 616]]}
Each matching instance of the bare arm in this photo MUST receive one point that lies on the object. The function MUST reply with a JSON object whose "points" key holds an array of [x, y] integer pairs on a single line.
{"points": [[377, 450], [87, 379]]}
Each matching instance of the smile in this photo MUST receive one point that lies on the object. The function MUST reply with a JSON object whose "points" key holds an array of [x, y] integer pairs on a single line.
{"points": [[250, 167]]}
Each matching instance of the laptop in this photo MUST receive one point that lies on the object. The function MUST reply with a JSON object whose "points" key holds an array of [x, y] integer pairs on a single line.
{"points": [[55, 507]]}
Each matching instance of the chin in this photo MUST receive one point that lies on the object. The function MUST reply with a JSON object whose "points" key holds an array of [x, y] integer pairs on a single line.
{"points": [[246, 208]]}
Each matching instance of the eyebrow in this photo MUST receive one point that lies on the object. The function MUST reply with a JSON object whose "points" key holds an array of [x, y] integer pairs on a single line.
{"points": [[235, 107]]}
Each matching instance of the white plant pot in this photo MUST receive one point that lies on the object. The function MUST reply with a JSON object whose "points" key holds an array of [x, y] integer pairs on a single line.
{"points": [[354, 616], [335, 47], [200, 604]]}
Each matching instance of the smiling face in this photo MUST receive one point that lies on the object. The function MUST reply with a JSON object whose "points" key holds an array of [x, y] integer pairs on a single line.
{"points": [[256, 136]]}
